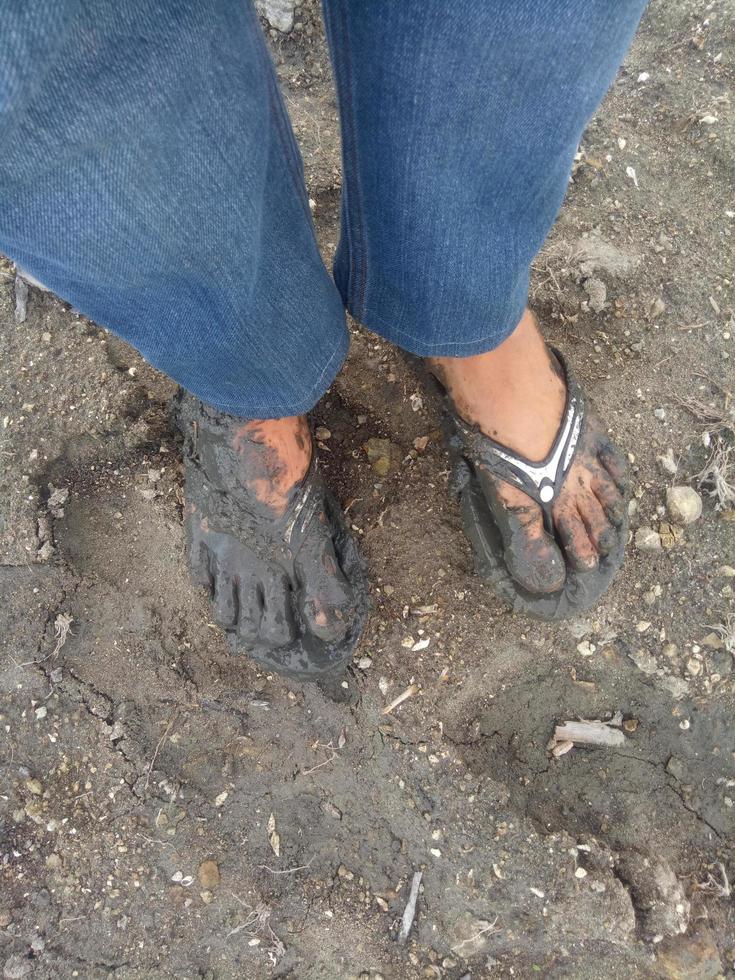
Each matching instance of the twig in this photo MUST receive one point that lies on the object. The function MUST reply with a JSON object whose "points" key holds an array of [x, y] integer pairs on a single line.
{"points": [[476, 936], [287, 871], [305, 772], [408, 693], [409, 912]]}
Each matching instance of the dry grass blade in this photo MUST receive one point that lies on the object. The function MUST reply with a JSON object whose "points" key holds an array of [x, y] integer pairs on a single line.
{"points": [[726, 632], [718, 474], [258, 927]]}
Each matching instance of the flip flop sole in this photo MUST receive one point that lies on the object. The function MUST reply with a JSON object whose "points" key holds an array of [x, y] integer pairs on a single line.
{"points": [[581, 589]]}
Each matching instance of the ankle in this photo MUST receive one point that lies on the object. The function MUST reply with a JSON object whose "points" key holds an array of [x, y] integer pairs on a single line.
{"points": [[275, 455], [515, 393]]}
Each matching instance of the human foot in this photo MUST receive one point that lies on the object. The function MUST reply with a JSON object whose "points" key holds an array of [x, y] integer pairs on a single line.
{"points": [[516, 399], [269, 542]]}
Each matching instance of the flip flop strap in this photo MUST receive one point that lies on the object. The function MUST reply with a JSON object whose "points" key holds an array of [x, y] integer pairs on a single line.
{"points": [[540, 481]]}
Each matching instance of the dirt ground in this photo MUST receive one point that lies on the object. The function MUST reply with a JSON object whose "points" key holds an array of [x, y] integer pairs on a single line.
{"points": [[168, 810]]}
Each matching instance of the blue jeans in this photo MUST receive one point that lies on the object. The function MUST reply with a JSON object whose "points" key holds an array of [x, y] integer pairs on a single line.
{"points": [[149, 176]]}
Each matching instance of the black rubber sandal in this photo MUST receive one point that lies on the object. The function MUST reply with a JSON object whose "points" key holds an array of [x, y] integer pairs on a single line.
{"points": [[263, 556], [471, 449]]}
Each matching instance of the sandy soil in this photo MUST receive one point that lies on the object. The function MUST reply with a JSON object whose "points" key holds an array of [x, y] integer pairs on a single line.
{"points": [[168, 810]]}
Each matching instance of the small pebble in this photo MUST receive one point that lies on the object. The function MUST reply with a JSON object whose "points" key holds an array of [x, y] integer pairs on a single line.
{"points": [[597, 293], [668, 463], [208, 874], [580, 873], [322, 433], [660, 414], [676, 686], [694, 666], [684, 504], [670, 535], [646, 539], [644, 661]]}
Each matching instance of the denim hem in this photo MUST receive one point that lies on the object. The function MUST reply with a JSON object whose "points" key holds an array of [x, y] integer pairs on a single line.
{"points": [[256, 410], [418, 346]]}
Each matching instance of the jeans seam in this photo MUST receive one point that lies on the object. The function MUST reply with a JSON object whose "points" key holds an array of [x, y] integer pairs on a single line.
{"points": [[354, 222]]}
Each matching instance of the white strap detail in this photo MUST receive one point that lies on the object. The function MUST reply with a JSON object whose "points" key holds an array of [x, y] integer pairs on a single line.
{"points": [[544, 476]]}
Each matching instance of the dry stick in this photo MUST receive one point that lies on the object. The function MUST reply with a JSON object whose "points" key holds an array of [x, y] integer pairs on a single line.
{"points": [[410, 911], [408, 693], [287, 871], [588, 733], [305, 772]]}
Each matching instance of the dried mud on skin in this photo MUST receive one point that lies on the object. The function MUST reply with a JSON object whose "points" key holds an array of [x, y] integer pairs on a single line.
{"points": [[167, 810]]}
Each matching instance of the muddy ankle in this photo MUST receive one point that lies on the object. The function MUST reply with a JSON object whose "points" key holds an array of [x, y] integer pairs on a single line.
{"points": [[275, 455], [263, 461]]}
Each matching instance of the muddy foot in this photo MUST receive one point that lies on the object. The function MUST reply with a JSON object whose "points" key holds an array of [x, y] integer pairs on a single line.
{"points": [[517, 396], [269, 543]]}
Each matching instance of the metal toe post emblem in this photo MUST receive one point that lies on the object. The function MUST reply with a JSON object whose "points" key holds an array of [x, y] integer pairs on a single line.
{"points": [[547, 477]]}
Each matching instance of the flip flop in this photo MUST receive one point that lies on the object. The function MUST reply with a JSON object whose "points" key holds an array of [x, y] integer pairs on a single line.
{"points": [[260, 558], [542, 482]]}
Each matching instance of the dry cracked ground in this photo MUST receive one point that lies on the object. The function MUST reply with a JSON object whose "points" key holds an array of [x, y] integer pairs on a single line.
{"points": [[168, 810]]}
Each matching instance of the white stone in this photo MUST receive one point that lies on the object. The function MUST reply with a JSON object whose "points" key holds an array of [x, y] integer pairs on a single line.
{"points": [[646, 539], [684, 504], [278, 13]]}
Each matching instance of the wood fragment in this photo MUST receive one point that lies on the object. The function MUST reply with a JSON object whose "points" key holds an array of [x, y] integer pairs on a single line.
{"points": [[409, 913], [589, 733], [408, 693]]}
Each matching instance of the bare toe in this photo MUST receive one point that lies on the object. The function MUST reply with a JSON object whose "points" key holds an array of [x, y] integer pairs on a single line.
{"points": [[199, 560], [599, 530], [579, 550], [610, 498], [250, 595]]}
